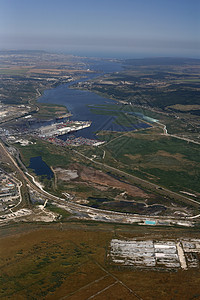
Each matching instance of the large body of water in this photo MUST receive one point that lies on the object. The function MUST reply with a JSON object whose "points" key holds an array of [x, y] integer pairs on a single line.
{"points": [[78, 102]]}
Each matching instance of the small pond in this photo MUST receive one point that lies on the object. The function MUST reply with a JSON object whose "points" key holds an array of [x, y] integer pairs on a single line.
{"points": [[40, 167]]}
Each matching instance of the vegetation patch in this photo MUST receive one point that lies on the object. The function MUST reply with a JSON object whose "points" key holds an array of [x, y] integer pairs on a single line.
{"points": [[48, 110], [71, 261], [51, 154]]}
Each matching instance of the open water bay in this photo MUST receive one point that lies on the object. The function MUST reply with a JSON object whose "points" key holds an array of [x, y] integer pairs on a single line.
{"points": [[79, 103]]}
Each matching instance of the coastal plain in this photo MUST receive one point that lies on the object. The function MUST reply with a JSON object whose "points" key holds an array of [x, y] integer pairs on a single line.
{"points": [[70, 209]]}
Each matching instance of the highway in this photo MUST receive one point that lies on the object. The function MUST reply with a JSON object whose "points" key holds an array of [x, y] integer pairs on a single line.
{"points": [[89, 213], [165, 132]]}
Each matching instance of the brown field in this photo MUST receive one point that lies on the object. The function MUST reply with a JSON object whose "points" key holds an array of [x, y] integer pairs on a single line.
{"points": [[16, 68], [55, 71], [45, 71], [100, 180], [50, 111], [68, 261], [87, 185], [185, 107]]}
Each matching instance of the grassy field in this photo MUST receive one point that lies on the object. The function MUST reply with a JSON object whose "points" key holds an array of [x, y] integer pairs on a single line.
{"points": [[121, 117], [47, 110], [70, 261], [157, 87], [164, 160], [51, 154], [13, 71]]}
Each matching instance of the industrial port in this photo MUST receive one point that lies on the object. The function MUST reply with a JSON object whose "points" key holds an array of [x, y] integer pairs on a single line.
{"points": [[53, 131], [57, 129]]}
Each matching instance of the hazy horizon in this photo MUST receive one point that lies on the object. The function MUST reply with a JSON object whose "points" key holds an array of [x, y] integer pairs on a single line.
{"points": [[132, 29]]}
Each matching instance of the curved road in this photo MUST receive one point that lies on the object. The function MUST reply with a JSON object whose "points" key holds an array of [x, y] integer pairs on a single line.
{"points": [[102, 214]]}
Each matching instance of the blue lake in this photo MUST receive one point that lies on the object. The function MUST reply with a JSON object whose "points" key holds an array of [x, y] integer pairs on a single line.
{"points": [[40, 167]]}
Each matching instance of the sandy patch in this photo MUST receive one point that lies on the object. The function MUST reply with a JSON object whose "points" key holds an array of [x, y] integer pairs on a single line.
{"points": [[100, 187], [177, 156], [133, 157], [66, 175], [81, 201]]}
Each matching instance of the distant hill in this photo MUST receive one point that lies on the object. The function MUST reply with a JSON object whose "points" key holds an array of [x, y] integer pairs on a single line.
{"points": [[22, 52], [161, 61]]}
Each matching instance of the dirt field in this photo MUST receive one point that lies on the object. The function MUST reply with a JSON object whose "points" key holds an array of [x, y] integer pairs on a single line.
{"points": [[99, 180], [101, 190], [66, 175]]}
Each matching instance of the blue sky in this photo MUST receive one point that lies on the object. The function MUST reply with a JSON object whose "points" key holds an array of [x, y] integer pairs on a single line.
{"points": [[132, 28]]}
